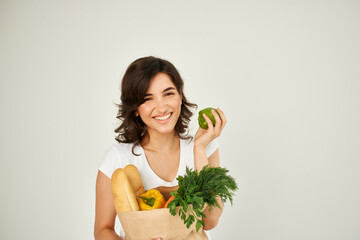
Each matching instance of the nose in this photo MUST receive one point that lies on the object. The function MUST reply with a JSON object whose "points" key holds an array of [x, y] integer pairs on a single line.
{"points": [[161, 105]]}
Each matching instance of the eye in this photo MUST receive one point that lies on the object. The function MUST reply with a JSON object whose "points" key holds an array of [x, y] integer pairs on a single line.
{"points": [[169, 93], [147, 99]]}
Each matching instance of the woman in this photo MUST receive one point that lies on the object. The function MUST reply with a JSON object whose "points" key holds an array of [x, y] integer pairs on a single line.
{"points": [[153, 136]]}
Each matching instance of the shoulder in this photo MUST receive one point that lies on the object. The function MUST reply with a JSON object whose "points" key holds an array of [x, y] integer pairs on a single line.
{"points": [[117, 156], [118, 150], [123, 148], [212, 147]]}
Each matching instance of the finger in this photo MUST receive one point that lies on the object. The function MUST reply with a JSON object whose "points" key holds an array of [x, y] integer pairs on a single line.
{"points": [[218, 122], [209, 122], [223, 118], [217, 128]]}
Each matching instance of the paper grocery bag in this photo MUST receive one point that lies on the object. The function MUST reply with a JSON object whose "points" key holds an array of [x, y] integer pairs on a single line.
{"points": [[146, 225]]}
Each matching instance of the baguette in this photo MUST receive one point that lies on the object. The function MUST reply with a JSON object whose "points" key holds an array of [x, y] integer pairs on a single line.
{"points": [[135, 179], [123, 193]]}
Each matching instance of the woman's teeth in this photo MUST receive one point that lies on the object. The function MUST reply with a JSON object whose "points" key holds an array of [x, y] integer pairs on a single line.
{"points": [[163, 118]]}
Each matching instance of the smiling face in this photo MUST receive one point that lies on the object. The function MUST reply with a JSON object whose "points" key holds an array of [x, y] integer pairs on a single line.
{"points": [[162, 105]]}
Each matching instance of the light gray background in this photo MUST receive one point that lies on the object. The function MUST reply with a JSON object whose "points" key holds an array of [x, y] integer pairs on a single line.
{"points": [[286, 74]]}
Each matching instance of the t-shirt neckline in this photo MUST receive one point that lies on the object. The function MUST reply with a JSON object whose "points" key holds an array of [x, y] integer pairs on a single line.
{"points": [[152, 171]]}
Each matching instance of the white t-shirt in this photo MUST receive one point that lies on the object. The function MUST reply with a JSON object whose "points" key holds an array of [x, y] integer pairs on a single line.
{"points": [[120, 154]]}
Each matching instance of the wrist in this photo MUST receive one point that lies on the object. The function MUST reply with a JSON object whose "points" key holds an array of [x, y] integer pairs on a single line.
{"points": [[199, 148], [200, 158]]}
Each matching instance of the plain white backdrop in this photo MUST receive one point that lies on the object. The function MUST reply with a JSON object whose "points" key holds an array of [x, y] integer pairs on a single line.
{"points": [[286, 74]]}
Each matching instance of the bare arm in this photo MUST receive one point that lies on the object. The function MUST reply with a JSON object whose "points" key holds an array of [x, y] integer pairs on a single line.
{"points": [[105, 213], [202, 139], [213, 216]]}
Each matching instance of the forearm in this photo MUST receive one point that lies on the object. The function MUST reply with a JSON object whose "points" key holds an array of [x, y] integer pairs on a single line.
{"points": [[107, 234], [201, 160], [213, 216]]}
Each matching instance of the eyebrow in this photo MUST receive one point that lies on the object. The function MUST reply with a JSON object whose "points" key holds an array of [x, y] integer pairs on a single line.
{"points": [[165, 90]]}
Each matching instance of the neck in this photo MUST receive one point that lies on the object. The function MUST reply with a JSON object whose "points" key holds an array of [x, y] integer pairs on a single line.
{"points": [[160, 142]]}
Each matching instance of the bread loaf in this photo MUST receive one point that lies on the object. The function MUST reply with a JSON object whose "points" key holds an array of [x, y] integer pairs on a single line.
{"points": [[135, 179], [123, 193]]}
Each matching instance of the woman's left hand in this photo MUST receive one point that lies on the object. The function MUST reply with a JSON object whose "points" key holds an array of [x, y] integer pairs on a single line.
{"points": [[204, 136]]}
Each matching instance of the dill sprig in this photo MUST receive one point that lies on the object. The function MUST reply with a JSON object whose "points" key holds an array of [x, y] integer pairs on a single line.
{"points": [[198, 188]]}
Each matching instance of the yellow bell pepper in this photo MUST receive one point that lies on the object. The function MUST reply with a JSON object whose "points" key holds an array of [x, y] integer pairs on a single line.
{"points": [[151, 199]]}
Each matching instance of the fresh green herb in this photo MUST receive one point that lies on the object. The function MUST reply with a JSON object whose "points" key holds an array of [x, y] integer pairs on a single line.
{"points": [[200, 188]]}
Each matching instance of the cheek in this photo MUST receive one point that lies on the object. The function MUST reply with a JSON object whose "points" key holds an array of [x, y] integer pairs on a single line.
{"points": [[177, 103], [143, 110], [177, 107]]}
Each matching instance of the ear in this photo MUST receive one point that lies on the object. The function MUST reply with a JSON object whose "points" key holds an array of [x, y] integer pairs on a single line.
{"points": [[136, 114]]}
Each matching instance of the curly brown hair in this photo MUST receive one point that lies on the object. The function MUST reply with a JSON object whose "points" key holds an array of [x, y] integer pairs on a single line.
{"points": [[134, 85]]}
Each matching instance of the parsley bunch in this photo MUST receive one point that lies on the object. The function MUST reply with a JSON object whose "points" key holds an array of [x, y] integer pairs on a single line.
{"points": [[198, 188]]}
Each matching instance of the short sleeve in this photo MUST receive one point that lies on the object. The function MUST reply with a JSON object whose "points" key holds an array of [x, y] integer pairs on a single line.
{"points": [[110, 161], [211, 148]]}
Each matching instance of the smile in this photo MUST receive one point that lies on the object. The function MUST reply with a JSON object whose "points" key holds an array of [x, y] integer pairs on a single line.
{"points": [[163, 117]]}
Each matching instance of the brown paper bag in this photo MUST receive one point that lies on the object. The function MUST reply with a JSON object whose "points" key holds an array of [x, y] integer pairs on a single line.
{"points": [[146, 225]]}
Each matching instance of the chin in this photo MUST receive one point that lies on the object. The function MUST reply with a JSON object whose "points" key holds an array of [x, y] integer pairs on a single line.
{"points": [[166, 130]]}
